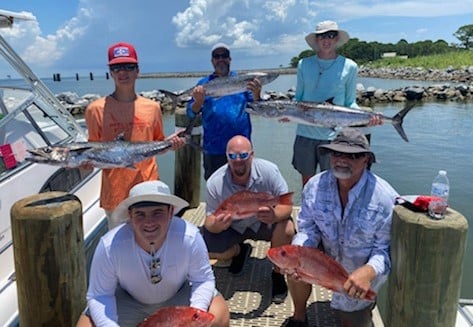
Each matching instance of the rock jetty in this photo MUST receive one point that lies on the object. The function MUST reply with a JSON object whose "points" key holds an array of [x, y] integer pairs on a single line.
{"points": [[447, 85]]}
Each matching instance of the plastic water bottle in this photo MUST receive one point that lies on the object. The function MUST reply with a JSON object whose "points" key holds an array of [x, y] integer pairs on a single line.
{"points": [[441, 189]]}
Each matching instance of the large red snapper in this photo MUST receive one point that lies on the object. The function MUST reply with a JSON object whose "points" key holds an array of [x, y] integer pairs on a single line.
{"points": [[245, 204], [179, 316], [313, 266]]}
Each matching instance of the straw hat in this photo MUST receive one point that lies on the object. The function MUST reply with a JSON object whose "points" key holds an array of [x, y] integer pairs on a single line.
{"points": [[150, 191], [323, 27]]}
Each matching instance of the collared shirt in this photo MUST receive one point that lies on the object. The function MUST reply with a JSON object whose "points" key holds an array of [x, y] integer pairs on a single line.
{"points": [[264, 177], [360, 236], [223, 118], [119, 260], [337, 81]]}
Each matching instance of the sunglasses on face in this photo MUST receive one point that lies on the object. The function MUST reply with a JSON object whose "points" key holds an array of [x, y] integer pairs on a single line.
{"points": [[241, 155], [126, 67], [352, 156], [328, 35], [221, 56]]}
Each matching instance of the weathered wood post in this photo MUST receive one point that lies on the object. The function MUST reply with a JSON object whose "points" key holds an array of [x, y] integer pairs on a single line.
{"points": [[188, 163], [49, 259], [427, 261]]}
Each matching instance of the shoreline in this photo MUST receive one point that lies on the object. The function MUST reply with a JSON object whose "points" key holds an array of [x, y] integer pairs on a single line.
{"points": [[458, 75], [281, 71]]}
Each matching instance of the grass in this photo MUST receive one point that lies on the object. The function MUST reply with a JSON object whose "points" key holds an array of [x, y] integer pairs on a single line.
{"points": [[457, 59]]}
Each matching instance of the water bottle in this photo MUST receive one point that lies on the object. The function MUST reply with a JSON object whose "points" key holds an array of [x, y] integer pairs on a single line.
{"points": [[441, 189]]}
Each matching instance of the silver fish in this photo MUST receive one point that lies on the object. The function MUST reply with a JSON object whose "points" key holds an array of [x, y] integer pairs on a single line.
{"points": [[227, 85], [113, 154], [323, 114]]}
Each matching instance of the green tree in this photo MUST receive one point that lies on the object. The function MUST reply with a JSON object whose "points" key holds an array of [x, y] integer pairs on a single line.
{"points": [[465, 35]]}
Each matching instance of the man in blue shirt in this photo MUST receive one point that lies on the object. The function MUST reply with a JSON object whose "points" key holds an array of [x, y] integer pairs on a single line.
{"points": [[224, 117], [347, 211]]}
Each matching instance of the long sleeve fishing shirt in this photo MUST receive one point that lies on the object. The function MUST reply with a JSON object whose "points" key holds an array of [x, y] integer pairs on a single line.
{"points": [[223, 118], [354, 236], [119, 260]]}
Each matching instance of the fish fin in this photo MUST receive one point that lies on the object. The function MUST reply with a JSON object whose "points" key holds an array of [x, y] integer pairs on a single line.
{"points": [[187, 133], [120, 137], [286, 198], [397, 120], [329, 100], [174, 97]]}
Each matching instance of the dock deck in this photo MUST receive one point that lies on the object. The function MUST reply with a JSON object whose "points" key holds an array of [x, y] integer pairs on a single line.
{"points": [[249, 295]]}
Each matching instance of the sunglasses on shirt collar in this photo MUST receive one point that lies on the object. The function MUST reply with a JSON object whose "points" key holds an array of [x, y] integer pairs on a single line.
{"points": [[328, 35], [126, 67]]}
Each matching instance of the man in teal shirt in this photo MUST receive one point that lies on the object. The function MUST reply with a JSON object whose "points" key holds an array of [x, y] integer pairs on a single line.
{"points": [[322, 77]]}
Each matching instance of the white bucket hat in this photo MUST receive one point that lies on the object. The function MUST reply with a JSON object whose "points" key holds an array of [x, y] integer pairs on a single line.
{"points": [[323, 27], [151, 191]]}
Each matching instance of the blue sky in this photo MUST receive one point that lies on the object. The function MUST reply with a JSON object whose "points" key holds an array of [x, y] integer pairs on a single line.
{"points": [[72, 36]]}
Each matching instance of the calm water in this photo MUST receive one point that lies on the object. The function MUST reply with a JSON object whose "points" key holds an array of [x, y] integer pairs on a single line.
{"points": [[440, 137]]}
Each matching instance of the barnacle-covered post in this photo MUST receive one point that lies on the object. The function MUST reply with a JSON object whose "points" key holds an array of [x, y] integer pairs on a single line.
{"points": [[49, 254]]}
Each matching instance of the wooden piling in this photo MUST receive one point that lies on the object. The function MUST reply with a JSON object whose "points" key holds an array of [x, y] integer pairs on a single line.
{"points": [[427, 261], [188, 163], [49, 259]]}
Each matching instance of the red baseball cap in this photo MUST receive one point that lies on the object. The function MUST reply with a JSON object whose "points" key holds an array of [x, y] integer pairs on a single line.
{"points": [[122, 53]]}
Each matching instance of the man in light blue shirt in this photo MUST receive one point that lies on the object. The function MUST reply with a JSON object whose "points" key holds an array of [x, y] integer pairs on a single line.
{"points": [[322, 77], [347, 212]]}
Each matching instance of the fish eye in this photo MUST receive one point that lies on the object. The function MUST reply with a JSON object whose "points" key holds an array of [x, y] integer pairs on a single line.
{"points": [[48, 150], [283, 253], [195, 316]]}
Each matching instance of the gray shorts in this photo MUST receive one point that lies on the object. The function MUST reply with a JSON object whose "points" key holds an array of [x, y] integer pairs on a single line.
{"points": [[220, 242], [305, 157]]}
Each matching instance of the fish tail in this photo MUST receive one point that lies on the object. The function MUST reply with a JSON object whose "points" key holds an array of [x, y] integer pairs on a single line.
{"points": [[397, 120], [187, 133], [286, 198], [173, 96]]}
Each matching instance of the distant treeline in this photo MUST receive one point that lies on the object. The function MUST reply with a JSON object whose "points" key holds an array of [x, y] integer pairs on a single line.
{"points": [[363, 52]]}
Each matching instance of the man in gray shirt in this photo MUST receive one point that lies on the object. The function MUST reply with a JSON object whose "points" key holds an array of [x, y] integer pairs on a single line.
{"points": [[223, 234]]}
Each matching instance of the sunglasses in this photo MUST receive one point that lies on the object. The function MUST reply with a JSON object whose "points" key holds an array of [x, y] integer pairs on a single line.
{"points": [[328, 35], [126, 67], [352, 156], [221, 55], [241, 155]]}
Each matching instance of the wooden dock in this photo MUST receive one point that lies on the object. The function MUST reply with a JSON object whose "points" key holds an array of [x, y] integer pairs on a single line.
{"points": [[249, 295]]}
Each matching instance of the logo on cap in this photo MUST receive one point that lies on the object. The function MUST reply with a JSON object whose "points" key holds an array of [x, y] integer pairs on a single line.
{"points": [[121, 52]]}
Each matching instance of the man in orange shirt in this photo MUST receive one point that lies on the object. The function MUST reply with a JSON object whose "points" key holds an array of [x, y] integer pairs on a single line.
{"points": [[125, 112]]}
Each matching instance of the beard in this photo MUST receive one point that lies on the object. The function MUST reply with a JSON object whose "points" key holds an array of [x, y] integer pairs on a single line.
{"points": [[222, 68], [342, 172]]}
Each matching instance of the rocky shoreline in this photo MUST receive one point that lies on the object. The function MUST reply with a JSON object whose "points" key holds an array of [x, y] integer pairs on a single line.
{"points": [[447, 85]]}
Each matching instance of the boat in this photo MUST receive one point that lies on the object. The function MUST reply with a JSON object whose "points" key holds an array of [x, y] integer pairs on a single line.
{"points": [[30, 117]]}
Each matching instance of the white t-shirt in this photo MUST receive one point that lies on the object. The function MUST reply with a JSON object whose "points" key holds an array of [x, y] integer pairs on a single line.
{"points": [[119, 260]]}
